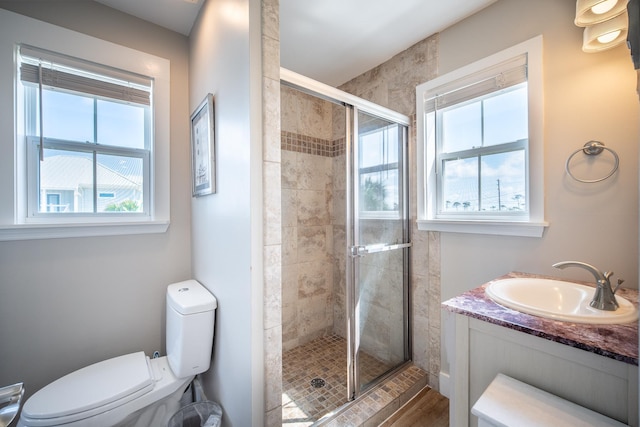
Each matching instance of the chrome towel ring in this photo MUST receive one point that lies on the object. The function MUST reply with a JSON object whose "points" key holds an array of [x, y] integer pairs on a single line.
{"points": [[593, 148]]}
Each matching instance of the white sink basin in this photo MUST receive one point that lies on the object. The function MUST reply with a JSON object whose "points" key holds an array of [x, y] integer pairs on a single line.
{"points": [[557, 300]]}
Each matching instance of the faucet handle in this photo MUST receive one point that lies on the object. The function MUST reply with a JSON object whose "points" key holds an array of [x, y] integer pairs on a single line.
{"points": [[620, 282]]}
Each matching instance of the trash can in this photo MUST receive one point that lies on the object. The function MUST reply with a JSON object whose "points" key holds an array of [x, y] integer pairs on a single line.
{"points": [[198, 414]]}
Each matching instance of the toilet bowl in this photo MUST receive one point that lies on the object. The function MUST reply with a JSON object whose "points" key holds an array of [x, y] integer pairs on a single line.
{"points": [[134, 390]]}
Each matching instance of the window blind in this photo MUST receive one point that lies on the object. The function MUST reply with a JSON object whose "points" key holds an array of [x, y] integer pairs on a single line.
{"points": [[66, 73], [501, 76]]}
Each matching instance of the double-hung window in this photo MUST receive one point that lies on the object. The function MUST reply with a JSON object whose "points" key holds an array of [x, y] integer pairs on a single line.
{"points": [[88, 135], [480, 147], [85, 135]]}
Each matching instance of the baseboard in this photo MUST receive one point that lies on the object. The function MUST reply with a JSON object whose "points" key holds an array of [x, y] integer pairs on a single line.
{"points": [[445, 384]]}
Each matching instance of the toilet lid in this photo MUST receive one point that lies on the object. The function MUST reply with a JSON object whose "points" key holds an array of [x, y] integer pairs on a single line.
{"points": [[92, 387]]}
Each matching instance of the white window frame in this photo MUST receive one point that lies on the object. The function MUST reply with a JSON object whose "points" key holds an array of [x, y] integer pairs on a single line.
{"points": [[531, 225], [15, 224], [91, 81]]}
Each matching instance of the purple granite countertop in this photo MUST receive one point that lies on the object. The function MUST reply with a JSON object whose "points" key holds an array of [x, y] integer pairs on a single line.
{"points": [[619, 342]]}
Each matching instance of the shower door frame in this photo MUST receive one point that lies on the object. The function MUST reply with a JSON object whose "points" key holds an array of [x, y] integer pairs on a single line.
{"points": [[355, 251], [352, 104]]}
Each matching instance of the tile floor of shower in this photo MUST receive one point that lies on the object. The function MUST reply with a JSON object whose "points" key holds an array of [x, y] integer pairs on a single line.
{"points": [[305, 400]]}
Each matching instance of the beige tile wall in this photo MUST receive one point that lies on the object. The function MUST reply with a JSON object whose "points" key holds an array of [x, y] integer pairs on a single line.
{"points": [[272, 258], [308, 262], [307, 280], [314, 237]]}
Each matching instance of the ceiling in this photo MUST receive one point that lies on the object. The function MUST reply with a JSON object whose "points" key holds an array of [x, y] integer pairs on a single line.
{"points": [[176, 15], [334, 41], [331, 41]]}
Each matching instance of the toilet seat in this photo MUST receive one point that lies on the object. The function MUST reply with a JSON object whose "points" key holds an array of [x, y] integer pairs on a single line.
{"points": [[91, 390]]}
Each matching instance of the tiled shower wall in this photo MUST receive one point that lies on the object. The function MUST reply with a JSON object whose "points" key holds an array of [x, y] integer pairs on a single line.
{"points": [[314, 237], [308, 153], [339, 221], [381, 297], [272, 263]]}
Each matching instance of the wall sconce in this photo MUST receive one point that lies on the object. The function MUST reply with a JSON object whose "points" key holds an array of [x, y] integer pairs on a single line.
{"points": [[589, 12], [606, 34], [606, 23]]}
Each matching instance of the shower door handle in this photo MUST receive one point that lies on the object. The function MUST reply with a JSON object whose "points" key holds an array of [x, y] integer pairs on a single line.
{"points": [[362, 250]]}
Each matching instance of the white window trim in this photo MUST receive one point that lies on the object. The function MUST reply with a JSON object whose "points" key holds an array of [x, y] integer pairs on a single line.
{"points": [[17, 29], [59, 231], [533, 226]]}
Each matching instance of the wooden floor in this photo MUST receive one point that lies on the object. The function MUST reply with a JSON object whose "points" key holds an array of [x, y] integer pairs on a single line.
{"points": [[427, 409]]}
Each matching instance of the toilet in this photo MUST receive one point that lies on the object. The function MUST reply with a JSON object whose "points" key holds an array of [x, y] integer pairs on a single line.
{"points": [[134, 390]]}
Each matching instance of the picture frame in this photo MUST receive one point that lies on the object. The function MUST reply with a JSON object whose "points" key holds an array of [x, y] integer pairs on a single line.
{"points": [[203, 149]]}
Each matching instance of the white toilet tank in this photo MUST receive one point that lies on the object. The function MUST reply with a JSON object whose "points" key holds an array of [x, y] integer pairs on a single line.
{"points": [[190, 324]]}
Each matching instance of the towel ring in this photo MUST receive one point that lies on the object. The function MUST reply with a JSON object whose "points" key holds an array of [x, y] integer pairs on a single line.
{"points": [[593, 148]]}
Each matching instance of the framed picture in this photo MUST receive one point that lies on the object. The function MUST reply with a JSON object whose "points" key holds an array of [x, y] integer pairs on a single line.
{"points": [[203, 149]]}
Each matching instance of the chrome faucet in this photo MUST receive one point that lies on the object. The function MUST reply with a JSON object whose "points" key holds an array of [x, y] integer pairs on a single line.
{"points": [[604, 297]]}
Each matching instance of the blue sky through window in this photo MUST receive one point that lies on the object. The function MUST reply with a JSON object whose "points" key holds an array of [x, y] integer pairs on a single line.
{"points": [[120, 124], [71, 117], [481, 180], [67, 117], [378, 153], [80, 119]]}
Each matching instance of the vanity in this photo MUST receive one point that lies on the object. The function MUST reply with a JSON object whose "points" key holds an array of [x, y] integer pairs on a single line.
{"points": [[592, 365]]}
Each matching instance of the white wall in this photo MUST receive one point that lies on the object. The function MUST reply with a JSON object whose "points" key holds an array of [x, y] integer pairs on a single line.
{"points": [[587, 96], [227, 226], [66, 303]]}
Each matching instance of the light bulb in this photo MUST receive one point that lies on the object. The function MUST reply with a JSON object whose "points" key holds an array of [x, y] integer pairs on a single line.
{"points": [[606, 34], [609, 37], [604, 6]]}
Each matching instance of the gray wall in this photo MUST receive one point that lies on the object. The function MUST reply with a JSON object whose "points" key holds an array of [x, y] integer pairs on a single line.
{"points": [[587, 96], [67, 303], [227, 226]]}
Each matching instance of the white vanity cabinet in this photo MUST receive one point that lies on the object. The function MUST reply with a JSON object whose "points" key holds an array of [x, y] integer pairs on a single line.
{"points": [[485, 344]]}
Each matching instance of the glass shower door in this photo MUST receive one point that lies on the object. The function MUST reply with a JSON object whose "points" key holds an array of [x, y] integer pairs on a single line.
{"points": [[379, 248]]}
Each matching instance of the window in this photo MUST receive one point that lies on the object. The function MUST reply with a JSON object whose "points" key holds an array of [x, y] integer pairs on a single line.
{"points": [[481, 152], [379, 154], [480, 146], [133, 163], [88, 136]]}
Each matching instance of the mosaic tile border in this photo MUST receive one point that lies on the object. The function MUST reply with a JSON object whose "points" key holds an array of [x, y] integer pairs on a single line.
{"points": [[291, 141]]}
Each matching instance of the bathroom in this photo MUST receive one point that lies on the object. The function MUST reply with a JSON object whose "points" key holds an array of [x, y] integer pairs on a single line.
{"points": [[54, 321]]}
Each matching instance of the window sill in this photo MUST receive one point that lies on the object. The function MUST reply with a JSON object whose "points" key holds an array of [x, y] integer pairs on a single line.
{"points": [[498, 228], [59, 231]]}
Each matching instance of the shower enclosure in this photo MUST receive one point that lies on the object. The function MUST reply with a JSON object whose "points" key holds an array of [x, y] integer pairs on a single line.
{"points": [[345, 234]]}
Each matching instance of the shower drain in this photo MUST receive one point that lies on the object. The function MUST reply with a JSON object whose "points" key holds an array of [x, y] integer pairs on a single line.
{"points": [[317, 383]]}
